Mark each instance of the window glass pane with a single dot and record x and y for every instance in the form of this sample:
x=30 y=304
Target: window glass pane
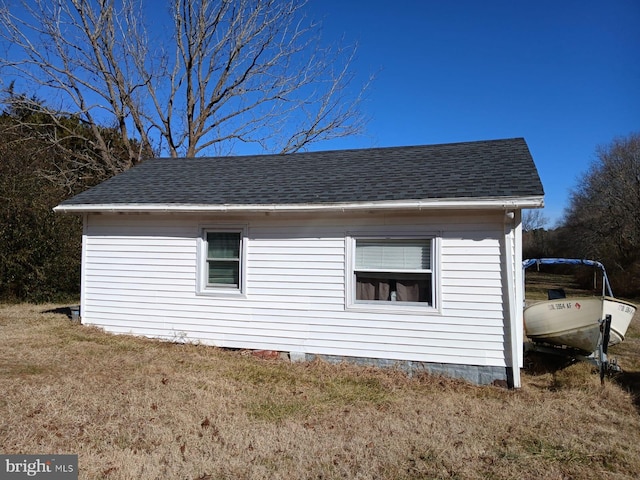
x=224 y=273
x=390 y=287
x=223 y=245
x=393 y=254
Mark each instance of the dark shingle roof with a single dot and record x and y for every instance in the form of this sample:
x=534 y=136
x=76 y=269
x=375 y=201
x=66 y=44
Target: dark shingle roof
x=484 y=169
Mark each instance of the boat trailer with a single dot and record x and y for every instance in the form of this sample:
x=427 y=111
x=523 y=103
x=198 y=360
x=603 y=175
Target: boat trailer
x=599 y=358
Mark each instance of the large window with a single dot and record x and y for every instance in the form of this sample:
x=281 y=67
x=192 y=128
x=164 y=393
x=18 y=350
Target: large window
x=393 y=270
x=221 y=261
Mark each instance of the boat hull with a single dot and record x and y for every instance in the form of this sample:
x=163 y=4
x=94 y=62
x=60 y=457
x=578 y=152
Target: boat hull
x=621 y=315
x=575 y=322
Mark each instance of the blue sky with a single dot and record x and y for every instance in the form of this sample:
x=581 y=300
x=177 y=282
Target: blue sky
x=563 y=74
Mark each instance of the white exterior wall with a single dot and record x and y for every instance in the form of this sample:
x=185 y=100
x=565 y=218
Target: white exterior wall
x=139 y=276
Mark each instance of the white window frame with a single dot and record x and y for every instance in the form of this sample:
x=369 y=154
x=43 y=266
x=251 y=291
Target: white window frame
x=202 y=270
x=393 y=306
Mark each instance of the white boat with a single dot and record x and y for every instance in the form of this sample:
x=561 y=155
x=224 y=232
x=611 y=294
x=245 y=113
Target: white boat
x=576 y=322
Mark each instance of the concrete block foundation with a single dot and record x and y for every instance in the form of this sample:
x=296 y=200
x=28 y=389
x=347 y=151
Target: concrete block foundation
x=476 y=374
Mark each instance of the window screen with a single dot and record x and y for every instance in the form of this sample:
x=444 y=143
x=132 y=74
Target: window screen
x=223 y=259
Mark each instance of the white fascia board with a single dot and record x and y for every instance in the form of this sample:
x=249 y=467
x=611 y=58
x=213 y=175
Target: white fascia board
x=503 y=203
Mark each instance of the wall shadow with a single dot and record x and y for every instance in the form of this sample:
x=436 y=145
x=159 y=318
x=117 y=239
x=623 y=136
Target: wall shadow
x=60 y=311
x=536 y=363
x=630 y=381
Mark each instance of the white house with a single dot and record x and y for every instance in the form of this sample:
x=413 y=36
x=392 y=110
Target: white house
x=407 y=256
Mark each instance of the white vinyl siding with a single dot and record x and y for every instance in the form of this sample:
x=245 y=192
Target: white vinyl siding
x=141 y=272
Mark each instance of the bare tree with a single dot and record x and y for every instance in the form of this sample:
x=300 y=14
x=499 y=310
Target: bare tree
x=534 y=236
x=533 y=220
x=602 y=220
x=229 y=71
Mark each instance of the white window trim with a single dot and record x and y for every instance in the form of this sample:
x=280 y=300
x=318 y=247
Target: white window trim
x=392 y=307
x=202 y=288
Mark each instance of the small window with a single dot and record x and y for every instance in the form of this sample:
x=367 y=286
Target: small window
x=223 y=259
x=390 y=270
x=221 y=264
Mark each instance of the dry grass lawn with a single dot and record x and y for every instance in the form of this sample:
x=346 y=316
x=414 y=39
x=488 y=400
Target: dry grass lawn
x=133 y=408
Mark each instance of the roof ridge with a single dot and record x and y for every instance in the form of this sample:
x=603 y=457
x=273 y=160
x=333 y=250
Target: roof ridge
x=346 y=150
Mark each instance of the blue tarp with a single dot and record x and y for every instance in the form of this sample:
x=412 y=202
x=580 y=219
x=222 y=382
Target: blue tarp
x=561 y=261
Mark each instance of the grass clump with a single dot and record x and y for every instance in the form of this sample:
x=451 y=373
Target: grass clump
x=353 y=390
x=579 y=376
x=276 y=410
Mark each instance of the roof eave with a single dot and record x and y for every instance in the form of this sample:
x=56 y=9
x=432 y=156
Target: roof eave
x=501 y=203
